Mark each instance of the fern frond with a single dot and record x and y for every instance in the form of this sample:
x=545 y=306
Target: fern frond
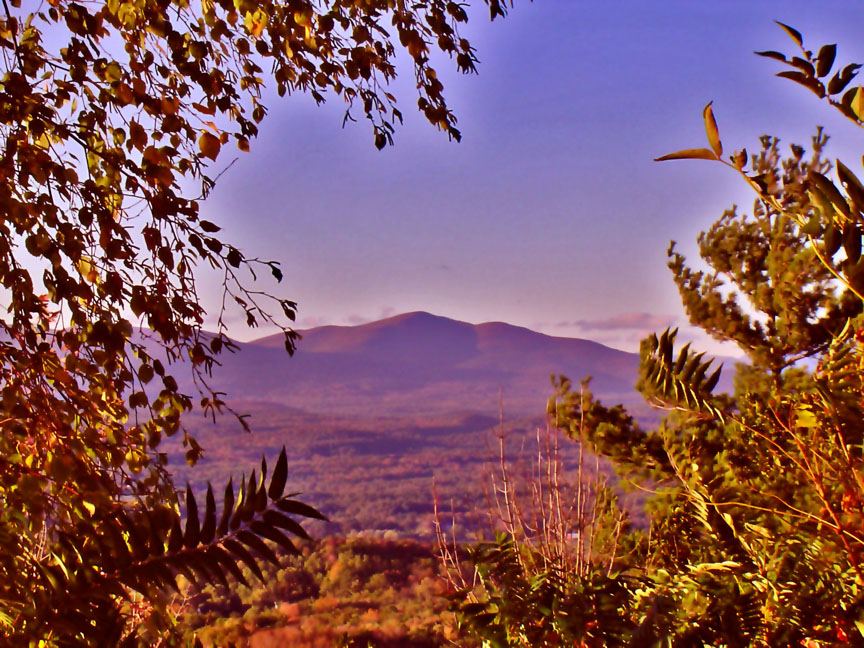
x=682 y=382
x=146 y=550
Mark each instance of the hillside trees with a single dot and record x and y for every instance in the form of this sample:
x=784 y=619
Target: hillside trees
x=758 y=505
x=112 y=114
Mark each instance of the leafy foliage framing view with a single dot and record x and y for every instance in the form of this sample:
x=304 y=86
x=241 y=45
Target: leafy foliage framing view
x=757 y=498
x=111 y=114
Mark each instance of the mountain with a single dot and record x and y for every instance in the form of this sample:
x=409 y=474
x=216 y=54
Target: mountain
x=381 y=419
x=422 y=363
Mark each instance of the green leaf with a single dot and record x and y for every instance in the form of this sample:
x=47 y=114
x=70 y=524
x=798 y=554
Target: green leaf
x=711 y=383
x=245 y=510
x=206 y=570
x=158 y=571
x=682 y=358
x=805 y=418
x=689 y=154
x=261 y=495
x=813 y=227
x=832 y=239
x=831 y=192
x=237 y=516
x=120 y=549
x=212 y=563
x=852 y=242
x=851 y=184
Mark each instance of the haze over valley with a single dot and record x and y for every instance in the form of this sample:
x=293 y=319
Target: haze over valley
x=372 y=414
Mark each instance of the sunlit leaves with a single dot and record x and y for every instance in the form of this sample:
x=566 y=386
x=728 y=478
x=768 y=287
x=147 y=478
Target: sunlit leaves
x=148 y=550
x=686 y=380
x=112 y=115
x=812 y=72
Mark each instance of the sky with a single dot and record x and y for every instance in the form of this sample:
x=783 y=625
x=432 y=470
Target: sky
x=550 y=213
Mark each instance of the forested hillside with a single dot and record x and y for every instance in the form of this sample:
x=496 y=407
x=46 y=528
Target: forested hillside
x=457 y=497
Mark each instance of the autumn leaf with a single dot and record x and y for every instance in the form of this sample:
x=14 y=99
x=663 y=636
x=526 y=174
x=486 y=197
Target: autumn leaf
x=209 y=145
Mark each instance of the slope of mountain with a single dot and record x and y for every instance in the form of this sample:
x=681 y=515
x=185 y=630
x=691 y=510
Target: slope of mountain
x=373 y=415
x=421 y=363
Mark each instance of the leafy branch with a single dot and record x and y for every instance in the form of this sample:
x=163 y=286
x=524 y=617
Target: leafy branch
x=146 y=549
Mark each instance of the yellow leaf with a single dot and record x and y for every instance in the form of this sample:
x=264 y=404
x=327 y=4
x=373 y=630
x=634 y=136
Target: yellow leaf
x=857 y=104
x=84 y=266
x=711 y=130
x=805 y=418
x=689 y=154
x=256 y=22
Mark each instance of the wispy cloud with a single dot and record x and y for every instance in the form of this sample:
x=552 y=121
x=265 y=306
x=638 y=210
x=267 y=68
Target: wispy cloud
x=624 y=321
x=312 y=322
x=357 y=319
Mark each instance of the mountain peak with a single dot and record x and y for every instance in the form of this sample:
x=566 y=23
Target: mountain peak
x=421 y=361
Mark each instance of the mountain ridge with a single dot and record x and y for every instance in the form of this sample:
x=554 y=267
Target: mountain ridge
x=485 y=329
x=420 y=362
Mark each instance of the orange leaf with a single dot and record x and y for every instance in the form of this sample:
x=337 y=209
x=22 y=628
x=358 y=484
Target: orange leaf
x=209 y=145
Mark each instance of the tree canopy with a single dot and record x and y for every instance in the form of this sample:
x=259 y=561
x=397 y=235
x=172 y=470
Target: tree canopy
x=111 y=116
x=757 y=499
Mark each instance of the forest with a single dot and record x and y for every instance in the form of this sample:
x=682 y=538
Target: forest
x=726 y=519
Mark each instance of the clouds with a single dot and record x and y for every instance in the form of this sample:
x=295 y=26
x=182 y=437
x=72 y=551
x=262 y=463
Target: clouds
x=622 y=331
x=354 y=319
x=623 y=322
x=625 y=331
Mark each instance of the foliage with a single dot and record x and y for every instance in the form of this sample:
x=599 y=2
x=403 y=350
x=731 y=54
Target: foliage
x=515 y=606
x=145 y=550
x=550 y=575
x=755 y=534
x=111 y=114
x=359 y=591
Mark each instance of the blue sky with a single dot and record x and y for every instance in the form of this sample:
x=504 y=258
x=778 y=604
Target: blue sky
x=550 y=213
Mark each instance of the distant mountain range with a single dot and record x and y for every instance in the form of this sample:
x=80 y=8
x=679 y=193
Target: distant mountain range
x=372 y=415
x=419 y=363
